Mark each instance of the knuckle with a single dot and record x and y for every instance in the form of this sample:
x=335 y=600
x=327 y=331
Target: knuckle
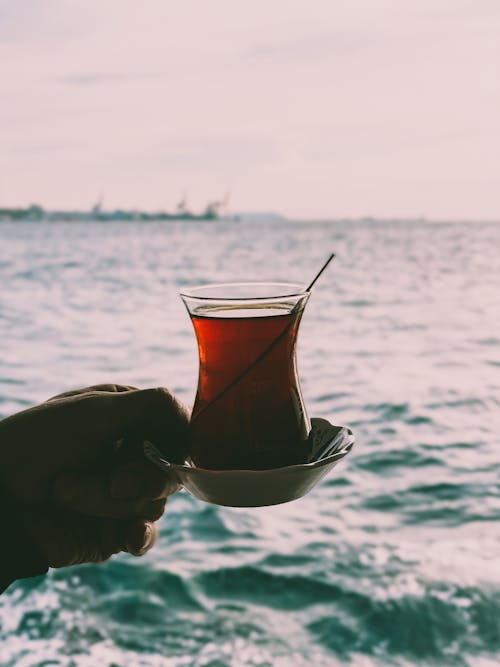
x=163 y=396
x=168 y=401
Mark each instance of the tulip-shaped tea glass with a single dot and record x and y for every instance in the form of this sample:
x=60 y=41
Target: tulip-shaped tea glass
x=249 y=412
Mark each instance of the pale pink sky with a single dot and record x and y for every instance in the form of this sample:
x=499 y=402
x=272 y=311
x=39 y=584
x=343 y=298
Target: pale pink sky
x=316 y=108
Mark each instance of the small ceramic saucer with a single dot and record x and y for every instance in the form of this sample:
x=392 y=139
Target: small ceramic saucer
x=259 y=488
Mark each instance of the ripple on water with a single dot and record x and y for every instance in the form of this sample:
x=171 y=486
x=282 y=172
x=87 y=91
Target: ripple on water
x=211 y=524
x=388 y=411
x=490 y=341
x=428 y=493
x=12 y=381
x=357 y=303
x=442 y=503
x=121 y=579
x=389 y=461
x=256 y=586
x=468 y=403
x=439 y=625
x=323 y=398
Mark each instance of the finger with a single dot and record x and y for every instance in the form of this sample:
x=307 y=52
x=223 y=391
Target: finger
x=84 y=428
x=97 y=387
x=141 y=479
x=111 y=536
x=88 y=494
x=141 y=537
x=92 y=540
x=68 y=539
x=136 y=415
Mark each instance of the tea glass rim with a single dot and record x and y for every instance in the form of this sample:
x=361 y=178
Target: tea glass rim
x=294 y=290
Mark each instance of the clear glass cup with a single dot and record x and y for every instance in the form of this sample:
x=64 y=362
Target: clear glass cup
x=249 y=412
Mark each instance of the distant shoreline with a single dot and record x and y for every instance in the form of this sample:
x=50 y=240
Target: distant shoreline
x=36 y=213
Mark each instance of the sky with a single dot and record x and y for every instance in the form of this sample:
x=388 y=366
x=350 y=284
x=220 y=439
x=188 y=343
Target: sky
x=310 y=108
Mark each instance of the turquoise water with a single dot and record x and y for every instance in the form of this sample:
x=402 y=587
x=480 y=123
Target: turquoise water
x=393 y=559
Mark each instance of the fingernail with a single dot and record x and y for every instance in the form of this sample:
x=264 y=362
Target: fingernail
x=148 y=535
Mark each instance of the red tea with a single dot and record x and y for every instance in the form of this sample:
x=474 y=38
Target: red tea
x=255 y=421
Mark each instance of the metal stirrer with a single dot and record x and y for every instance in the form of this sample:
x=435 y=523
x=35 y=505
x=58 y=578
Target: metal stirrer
x=311 y=285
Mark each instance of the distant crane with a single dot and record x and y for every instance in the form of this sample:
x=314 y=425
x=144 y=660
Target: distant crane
x=215 y=208
x=96 y=209
x=182 y=209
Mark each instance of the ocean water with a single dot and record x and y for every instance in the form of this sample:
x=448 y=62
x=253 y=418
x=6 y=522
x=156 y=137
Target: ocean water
x=393 y=560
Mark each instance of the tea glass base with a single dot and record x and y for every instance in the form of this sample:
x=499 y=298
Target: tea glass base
x=260 y=488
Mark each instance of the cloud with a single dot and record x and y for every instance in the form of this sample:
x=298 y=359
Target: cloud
x=98 y=78
x=42 y=149
x=95 y=78
x=33 y=22
x=313 y=46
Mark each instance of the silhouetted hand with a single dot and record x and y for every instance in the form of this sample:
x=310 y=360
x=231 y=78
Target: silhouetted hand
x=74 y=466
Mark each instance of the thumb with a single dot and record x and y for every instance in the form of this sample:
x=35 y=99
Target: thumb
x=155 y=415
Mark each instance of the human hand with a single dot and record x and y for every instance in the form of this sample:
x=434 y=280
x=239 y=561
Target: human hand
x=75 y=470
x=85 y=449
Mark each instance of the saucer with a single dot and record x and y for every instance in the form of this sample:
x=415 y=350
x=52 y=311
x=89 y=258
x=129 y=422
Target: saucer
x=259 y=488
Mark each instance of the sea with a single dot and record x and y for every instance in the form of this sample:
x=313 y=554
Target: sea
x=393 y=559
